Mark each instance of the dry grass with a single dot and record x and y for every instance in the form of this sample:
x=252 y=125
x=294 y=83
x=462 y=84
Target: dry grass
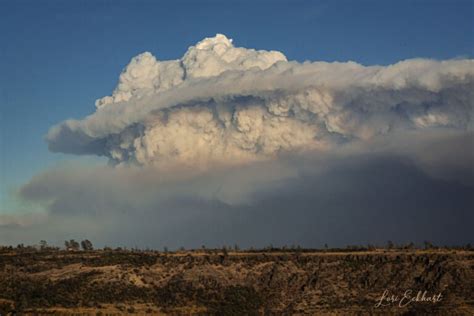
x=238 y=283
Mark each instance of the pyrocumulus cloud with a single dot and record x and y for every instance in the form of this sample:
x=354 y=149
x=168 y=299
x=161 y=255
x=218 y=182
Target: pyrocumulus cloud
x=223 y=104
x=232 y=145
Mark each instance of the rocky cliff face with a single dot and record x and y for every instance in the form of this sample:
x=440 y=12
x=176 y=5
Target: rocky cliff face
x=272 y=283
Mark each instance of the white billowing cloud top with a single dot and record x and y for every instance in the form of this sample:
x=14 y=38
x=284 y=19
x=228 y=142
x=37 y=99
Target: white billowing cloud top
x=209 y=58
x=228 y=105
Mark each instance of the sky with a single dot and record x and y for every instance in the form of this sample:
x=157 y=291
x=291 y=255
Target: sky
x=58 y=58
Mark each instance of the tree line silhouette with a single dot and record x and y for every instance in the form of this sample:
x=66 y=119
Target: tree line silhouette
x=86 y=245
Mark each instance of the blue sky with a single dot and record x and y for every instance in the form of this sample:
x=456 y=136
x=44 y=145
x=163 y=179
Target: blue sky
x=57 y=57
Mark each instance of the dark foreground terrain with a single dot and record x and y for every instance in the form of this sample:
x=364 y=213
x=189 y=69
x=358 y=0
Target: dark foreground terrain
x=237 y=283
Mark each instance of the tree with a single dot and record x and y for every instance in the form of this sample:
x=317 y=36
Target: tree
x=86 y=245
x=43 y=245
x=71 y=245
x=428 y=245
x=390 y=244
